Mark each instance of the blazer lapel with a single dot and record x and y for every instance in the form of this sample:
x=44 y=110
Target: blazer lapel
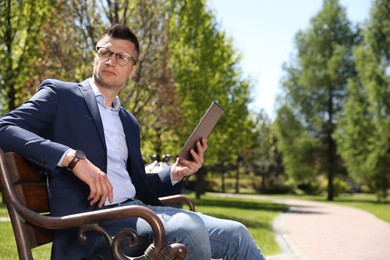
x=130 y=141
x=90 y=100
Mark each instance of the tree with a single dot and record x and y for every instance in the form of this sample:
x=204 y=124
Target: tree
x=20 y=54
x=185 y=62
x=315 y=85
x=363 y=135
x=150 y=96
x=205 y=67
x=264 y=158
x=299 y=149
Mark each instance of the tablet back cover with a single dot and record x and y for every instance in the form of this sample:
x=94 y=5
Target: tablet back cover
x=202 y=130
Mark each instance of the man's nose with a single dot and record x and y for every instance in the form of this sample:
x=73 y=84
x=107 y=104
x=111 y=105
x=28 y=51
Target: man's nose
x=110 y=59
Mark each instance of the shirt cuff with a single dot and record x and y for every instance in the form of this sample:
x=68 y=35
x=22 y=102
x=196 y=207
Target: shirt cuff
x=62 y=158
x=174 y=182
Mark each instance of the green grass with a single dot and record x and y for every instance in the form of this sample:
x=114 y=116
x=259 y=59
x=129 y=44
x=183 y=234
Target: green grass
x=8 y=248
x=256 y=215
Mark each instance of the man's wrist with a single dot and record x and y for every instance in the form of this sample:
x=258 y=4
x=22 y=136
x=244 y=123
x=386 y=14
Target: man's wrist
x=174 y=176
x=73 y=157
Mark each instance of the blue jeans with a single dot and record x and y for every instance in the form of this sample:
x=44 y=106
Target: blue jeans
x=205 y=237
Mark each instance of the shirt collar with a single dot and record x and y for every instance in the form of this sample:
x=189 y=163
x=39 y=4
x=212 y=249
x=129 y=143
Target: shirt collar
x=100 y=98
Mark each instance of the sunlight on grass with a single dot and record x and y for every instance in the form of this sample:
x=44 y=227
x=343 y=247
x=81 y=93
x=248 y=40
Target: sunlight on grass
x=8 y=248
x=256 y=215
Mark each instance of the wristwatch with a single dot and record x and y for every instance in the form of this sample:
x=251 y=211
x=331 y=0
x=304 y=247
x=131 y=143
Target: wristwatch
x=79 y=155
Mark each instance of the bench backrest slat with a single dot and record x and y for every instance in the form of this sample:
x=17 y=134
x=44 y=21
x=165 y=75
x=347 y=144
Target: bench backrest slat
x=28 y=183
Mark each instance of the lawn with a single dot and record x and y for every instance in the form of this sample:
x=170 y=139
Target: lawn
x=8 y=246
x=257 y=215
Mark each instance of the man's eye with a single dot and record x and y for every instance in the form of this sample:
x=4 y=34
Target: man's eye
x=122 y=57
x=104 y=52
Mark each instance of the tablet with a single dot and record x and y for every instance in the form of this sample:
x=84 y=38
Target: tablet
x=202 y=130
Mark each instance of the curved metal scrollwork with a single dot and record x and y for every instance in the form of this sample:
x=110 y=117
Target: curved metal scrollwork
x=117 y=241
x=93 y=228
x=113 y=242
x=174 y=251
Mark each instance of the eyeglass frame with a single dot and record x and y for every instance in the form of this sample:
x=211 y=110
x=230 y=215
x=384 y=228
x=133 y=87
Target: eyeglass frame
x=129 y=57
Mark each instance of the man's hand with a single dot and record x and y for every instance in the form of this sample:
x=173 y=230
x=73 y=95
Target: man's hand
x=182 y=167
x=97 y=180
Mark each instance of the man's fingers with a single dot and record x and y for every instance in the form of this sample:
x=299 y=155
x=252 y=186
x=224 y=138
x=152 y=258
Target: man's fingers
x=110 y=191
x=107 y=192
x=98 y=192
x=100 y=188
x=98 y=182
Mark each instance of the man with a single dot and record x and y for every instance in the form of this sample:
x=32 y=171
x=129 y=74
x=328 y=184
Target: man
x=78 y=132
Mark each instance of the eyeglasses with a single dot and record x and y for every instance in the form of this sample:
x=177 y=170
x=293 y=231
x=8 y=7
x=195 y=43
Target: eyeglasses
x=121 y=58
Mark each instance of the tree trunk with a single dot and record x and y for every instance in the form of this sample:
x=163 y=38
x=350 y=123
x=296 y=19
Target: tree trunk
x=200 y=183
x=237 y=186
x=331 y=166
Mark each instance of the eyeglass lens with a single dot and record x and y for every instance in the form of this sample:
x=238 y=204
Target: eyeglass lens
x=121 y=58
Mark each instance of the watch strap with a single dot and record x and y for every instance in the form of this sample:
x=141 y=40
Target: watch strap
x=79 y=155
x=73 y=163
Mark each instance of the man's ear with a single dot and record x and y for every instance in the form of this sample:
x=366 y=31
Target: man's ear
x=93 y=60
x=133 y=71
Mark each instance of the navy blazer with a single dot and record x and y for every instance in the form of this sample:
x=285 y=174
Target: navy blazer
x=63 y=115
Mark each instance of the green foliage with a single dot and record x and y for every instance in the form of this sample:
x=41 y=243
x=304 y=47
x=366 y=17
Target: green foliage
x=315 y=89
x=377 y=33
x=355 y=134
x=20 y=49
x=364 y=137
x=299 y=149
x=205 y=68
x=264 y=158
x=185 y=62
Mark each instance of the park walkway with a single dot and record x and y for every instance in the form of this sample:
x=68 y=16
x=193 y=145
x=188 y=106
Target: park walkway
x=324 y=231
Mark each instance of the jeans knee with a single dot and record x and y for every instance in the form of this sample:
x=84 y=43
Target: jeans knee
x=188 y=226
x=190 y=230
x=240 y=229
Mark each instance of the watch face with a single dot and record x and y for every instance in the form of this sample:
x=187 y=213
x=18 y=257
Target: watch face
x=80 y=154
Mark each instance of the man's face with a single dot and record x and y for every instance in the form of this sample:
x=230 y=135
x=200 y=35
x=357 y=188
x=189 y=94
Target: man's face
x=107 y=72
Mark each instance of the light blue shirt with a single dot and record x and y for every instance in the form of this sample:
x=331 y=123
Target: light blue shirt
x=117 y=152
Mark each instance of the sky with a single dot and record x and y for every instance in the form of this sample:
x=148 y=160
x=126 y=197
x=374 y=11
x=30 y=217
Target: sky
x=263 y=33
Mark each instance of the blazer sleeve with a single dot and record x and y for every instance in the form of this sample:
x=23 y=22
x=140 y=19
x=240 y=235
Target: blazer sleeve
x=162 y=183
x=22 y=129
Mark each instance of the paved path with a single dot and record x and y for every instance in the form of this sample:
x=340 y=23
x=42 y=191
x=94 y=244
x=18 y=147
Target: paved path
x=322 y=231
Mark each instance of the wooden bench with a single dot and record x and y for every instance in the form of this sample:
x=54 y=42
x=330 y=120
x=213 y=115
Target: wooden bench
x=25 y=194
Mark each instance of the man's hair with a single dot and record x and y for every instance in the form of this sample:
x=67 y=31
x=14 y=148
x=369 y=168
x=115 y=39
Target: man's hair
x=122 y=32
